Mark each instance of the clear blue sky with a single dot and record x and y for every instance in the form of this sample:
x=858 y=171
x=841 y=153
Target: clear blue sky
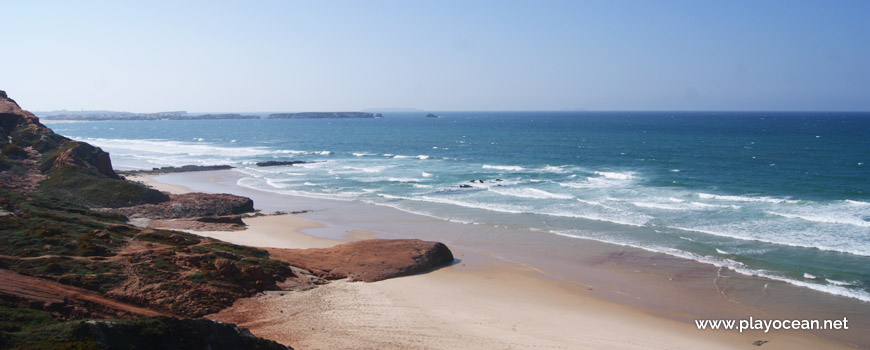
x=237 y=56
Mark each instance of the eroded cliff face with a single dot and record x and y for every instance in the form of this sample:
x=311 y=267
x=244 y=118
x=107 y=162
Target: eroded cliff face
x=33 y=155
x=61 y=260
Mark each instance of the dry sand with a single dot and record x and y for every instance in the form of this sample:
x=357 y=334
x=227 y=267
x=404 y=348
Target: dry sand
x=481 y=305
x=148 y=179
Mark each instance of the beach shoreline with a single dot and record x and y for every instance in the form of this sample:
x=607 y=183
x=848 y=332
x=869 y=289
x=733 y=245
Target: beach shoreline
x=653 y=291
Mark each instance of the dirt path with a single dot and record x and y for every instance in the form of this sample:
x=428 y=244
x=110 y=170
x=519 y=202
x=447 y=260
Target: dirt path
x=51 y=294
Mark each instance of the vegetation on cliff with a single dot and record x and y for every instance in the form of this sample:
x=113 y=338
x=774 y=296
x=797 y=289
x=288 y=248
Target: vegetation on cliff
x=61 y=260
x=22 y=328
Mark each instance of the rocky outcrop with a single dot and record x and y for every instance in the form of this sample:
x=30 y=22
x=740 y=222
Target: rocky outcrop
x=216 y=223
x=83 y=155
x=181 y=169
x=277 y=163
x=430 y=115
x=70 y=170
x=369 y=260
x=190 y=205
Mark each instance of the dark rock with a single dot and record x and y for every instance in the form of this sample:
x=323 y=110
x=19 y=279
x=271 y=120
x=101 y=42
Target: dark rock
x=227 y=219
x=226 y=268
x=191 y=205
x=276 y=163
x=369 y=260
x=430 y=115
x=465 y=186
x=181 y=169
x=759 y=342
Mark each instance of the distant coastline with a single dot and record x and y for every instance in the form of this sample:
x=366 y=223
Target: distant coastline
x=110 y=115
x=183 y=115
x=325 y=115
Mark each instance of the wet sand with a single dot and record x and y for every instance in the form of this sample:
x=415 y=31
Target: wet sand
x=508 y=291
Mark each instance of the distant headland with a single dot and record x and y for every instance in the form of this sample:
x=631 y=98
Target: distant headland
x=325 y=115
x=113 y=115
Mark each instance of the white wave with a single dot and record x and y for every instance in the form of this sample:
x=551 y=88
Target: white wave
x=841 y=283
x=809 y=276
x=493 y=207
x=232 y=141
x=346 y=197
x=504 y=167
x=422 y=186
x=175 y=147
x=404 y=179
x=595 y=183
x=425 y=174
x=596 y=203
x=275 y=184
x=554 y=169
x=419 y=212
x=422 y=156
x=683 y=206
x=830 y=289
x=637 y=220
x=659 y=206
x=830 y=218
x=746 y=199
x=529 y=193
x=857 y=203
x=752 y=235
x=371 y=169
x=720 y=251
x=615 y=175
x=296 y=152
x=675 y=170
x=738 y=267
x=363 y=154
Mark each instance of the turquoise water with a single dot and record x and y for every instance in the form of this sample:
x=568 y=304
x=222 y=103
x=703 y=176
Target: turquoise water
x=780 y=195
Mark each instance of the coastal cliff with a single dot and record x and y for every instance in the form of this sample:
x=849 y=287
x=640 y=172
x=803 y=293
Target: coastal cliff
x=68 y=251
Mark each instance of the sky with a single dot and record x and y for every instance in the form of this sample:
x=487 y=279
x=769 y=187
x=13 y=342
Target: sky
x=271 y=56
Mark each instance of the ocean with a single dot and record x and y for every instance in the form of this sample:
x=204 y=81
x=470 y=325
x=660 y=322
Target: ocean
x=781 y=195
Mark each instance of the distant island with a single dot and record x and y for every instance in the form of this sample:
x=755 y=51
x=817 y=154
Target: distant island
x=111 y=115
x=430 y=115
x=324 y=115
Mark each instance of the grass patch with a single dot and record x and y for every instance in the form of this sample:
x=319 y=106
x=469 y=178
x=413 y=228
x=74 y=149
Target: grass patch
x=230 y=248
x=82 y=186
x=169 y=238
x=14 y=318
x=93 y=275
x=45 y=225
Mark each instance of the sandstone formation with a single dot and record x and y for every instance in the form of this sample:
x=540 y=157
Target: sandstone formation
x=369 y=260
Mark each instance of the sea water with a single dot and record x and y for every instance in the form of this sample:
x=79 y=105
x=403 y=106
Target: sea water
x=780 y=195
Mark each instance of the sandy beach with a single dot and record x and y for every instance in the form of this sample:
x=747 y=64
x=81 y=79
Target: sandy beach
x=481 y=302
